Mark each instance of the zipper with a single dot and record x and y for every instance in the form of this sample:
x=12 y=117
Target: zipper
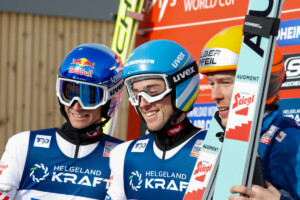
x=77 y=147
x=166 y=144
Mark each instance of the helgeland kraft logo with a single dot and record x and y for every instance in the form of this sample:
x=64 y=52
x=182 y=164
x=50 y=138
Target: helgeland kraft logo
x=39 y=173
x=158 y=180
x=67 y=175
x=135 y=180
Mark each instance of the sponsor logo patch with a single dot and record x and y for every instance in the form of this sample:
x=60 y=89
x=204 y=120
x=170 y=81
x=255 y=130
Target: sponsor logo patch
x=242 y=111
x=267 y=136
x=196 y=148
x=289 y=33
x=175 y=130
x=141 y=61
x=108 y=147
x=280 y=136
x=203 y=171
x=42 y=141
x=140 y=146
x=217 y=57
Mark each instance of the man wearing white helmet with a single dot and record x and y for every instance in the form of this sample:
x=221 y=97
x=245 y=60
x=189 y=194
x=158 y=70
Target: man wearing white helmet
x=280 y=136
x=162 y=81
x=70 y=162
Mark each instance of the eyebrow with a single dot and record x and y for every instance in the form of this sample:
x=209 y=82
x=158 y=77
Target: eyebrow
x=222 y=78
x=147 y=87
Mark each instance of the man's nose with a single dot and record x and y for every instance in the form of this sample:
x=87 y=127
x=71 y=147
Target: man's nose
x=143 y=102
x=217 y=93
x=76 y=106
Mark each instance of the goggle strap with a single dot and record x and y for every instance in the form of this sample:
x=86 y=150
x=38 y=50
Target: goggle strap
x=115 y=89
x=184 y=74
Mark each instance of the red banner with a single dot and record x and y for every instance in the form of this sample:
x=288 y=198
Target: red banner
x=192 y=23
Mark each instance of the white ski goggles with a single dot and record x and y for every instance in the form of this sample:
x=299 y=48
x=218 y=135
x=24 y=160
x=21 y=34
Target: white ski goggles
x=90 y=96
x=149 y=94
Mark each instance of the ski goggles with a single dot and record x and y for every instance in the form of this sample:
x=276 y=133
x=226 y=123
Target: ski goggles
x=169 y=82
x=90 y=96
x=152 y=93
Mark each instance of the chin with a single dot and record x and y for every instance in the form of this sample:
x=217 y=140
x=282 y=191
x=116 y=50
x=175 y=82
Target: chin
x=154 y=128
x=79 y=125
x=224 y=123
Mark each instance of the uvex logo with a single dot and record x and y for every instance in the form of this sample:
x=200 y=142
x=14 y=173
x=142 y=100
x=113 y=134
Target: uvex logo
x=183 y=74
x=242 y=100
x=117 y=89
x=178 y=60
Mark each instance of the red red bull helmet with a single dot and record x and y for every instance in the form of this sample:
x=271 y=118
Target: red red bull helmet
x=92 y=75
x=224 y=49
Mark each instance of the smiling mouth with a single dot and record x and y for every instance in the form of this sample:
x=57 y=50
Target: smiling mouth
x=223 y=109
x=149 y=114
x=78 y=115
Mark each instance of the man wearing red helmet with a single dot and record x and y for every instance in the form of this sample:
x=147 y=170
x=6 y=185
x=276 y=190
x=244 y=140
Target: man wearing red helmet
x=279 y=141
x=70 y=162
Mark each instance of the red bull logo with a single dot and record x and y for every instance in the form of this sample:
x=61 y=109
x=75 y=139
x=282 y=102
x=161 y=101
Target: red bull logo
x=82 y=62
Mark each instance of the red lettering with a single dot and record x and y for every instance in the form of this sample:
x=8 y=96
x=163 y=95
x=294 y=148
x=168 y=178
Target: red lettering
x=242 y=100
x=202 y=168
x=81 y=71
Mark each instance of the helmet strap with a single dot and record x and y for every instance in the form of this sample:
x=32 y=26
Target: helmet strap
x=96 y=129
x=182 y=75
x=173 y=119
